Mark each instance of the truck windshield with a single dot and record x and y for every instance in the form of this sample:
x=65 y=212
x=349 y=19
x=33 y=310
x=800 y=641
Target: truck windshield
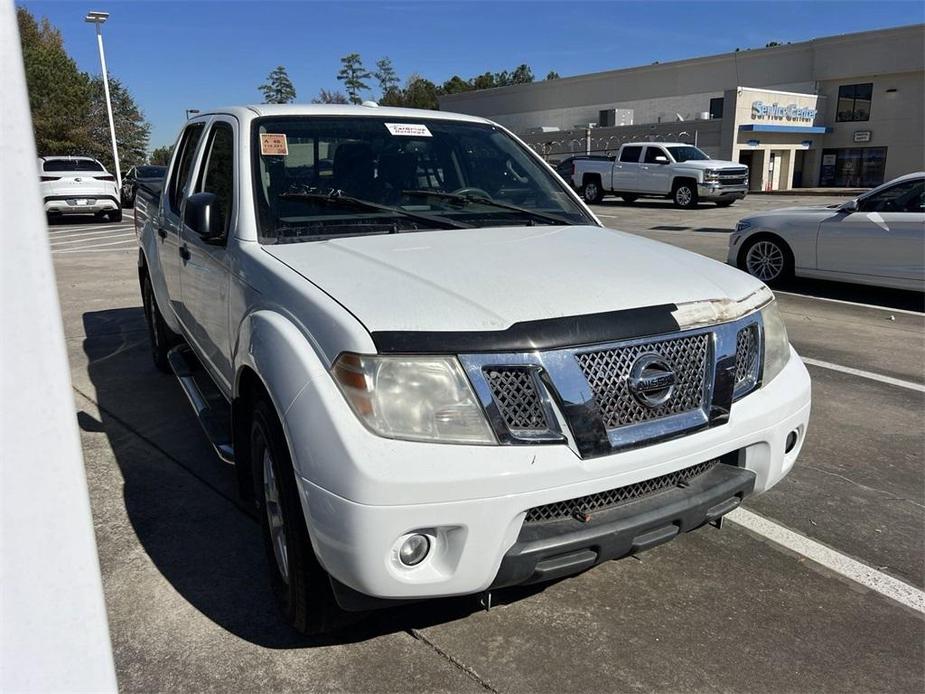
x=687 y=153
x=400 y=174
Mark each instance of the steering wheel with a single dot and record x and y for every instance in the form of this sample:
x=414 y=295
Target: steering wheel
x=473 y=191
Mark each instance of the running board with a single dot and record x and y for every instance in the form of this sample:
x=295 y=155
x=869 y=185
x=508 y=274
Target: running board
x=212 y=410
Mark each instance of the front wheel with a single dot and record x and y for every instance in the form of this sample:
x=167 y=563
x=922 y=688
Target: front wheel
x=768 y=259
x=684 y=195
x=301 y=586
x=592 y=193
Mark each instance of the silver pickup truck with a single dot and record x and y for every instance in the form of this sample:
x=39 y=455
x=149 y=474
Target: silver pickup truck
x=673 y=170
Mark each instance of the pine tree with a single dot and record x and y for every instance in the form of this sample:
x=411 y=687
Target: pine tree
x=326 y=97
x=386 y=76
x=352 y=74
x=552 y=75
x=278 y=89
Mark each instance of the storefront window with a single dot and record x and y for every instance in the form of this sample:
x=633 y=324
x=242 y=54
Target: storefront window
x=858 y=167
x=854 y=102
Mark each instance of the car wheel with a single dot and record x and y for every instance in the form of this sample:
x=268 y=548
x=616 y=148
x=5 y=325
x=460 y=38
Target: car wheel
x=115 y=215
x=591 y=192
x=629 y=199
x=158 y=332
x=768 y=259
x=684 y=195
x=301 y=586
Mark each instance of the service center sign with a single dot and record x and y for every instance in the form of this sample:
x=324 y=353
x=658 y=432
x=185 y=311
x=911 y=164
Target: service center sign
x=775 y=111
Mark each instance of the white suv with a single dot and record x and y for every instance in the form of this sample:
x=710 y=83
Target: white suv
x=78 y=185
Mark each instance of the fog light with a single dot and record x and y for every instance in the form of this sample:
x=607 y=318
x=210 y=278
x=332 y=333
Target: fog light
x=791 y=441
x=414 y=549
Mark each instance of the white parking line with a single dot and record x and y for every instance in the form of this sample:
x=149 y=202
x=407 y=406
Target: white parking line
x=853 y=303
x=89 y=227
x=911 y=385
x=90 y=239
x=90 y=248
x=893 y=588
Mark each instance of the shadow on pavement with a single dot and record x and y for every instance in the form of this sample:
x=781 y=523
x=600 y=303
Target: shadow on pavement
x=182 y=502
x=863 y=294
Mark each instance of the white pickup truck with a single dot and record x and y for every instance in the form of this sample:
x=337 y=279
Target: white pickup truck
x=673 y=170
x=433 y=369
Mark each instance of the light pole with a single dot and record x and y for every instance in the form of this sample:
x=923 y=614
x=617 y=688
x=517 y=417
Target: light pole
x=98 y=18
x=190 y=112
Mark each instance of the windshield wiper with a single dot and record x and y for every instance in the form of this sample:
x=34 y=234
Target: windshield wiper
x=337 y=197
x=480 y=199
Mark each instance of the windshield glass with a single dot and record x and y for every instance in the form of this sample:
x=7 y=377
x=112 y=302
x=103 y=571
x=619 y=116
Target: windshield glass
x=687 y=153
x=72 y=165
x=151 y=171
x=302 y=163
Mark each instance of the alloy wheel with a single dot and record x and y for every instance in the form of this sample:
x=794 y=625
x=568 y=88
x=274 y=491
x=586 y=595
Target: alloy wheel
x=765 y=260
x=275 y=517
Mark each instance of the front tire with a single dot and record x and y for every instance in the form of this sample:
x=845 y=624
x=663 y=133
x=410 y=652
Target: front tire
x=301 y=586
x=768 y=259
x=158 y=332
x=684 y=195
x=591 y=192
x=115 y=215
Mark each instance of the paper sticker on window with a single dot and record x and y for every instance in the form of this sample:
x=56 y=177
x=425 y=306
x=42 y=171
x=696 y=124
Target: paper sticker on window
x=408 y=129
x=273 y=145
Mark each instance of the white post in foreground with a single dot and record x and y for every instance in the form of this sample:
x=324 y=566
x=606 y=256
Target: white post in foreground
x=98 y=18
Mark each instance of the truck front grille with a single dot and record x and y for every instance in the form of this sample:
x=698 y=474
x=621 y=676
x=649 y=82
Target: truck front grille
x=608 y=371
x=746 y=364
x=514 y=392
x=733 y=176
x=614 y=497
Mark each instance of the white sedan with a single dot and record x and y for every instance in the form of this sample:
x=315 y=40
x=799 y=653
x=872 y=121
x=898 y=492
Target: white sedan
x=877 y=238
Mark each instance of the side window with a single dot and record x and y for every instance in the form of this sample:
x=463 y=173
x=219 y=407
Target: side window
x=217 y=175
x=630 y=154
x=652 y=153
x=180 y=173
x=903 y=197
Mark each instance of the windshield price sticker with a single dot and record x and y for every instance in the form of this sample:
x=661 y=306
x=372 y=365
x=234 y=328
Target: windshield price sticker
x=274 y=145
x=408 y=129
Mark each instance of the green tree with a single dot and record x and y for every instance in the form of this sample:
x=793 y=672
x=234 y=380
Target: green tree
x=278 y=89
x=352 y=73
x=161 y=155
x=487 y=80
x=522 y=75
x=552 y=75
x=326 y=97
x=132 y=130
x=420 y=93
x=386 y=76
x=455 y=85
x=59 y=94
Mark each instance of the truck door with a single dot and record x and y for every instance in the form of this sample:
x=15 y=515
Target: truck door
x=626 y=169
x=204 y=264
x=655 y=171
x=168 y=221
x=884 y=237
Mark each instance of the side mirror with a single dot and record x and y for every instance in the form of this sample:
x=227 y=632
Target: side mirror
x=203 y=216
x=660 y=159
x=850 y=206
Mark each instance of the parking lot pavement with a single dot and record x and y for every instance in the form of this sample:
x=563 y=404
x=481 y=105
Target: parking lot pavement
x=83 y=234
x=189 y=608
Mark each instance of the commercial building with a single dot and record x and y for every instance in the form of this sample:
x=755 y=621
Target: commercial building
x=840 y=111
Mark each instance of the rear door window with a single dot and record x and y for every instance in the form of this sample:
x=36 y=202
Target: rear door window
x=652 y=153
x=630 y=154
x=182 y=165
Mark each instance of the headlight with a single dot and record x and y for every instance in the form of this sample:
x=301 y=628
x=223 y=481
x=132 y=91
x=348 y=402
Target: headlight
x=712 y=174
x=415 y=398
x=776 y=344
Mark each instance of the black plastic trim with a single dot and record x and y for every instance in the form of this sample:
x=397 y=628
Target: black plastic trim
x=543 y=334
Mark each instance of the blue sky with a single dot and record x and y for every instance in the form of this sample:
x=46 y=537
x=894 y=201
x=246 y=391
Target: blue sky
x=175 y=55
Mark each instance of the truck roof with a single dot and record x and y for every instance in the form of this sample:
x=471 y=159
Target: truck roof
x=663 y=144
x=250 y=111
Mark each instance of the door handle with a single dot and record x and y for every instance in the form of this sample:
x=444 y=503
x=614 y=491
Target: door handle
x=184 y=252
x=162 y=232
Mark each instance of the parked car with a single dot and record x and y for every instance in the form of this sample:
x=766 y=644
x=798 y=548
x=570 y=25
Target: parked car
x=673 y=170
x=877 y=238
x=148 y=174
x=566 y=167
x=434 y=371
x=78 y=185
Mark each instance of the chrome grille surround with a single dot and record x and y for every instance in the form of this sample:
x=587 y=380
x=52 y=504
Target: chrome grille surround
x=607 y=372
x=560 y=510
x=591 y=414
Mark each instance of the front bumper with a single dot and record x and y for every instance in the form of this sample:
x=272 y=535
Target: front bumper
x=719 y=191
x=472 y=501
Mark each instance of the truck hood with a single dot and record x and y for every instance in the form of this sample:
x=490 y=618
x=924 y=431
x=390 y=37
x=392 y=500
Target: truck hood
x=491 y=278
x=701 y=164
